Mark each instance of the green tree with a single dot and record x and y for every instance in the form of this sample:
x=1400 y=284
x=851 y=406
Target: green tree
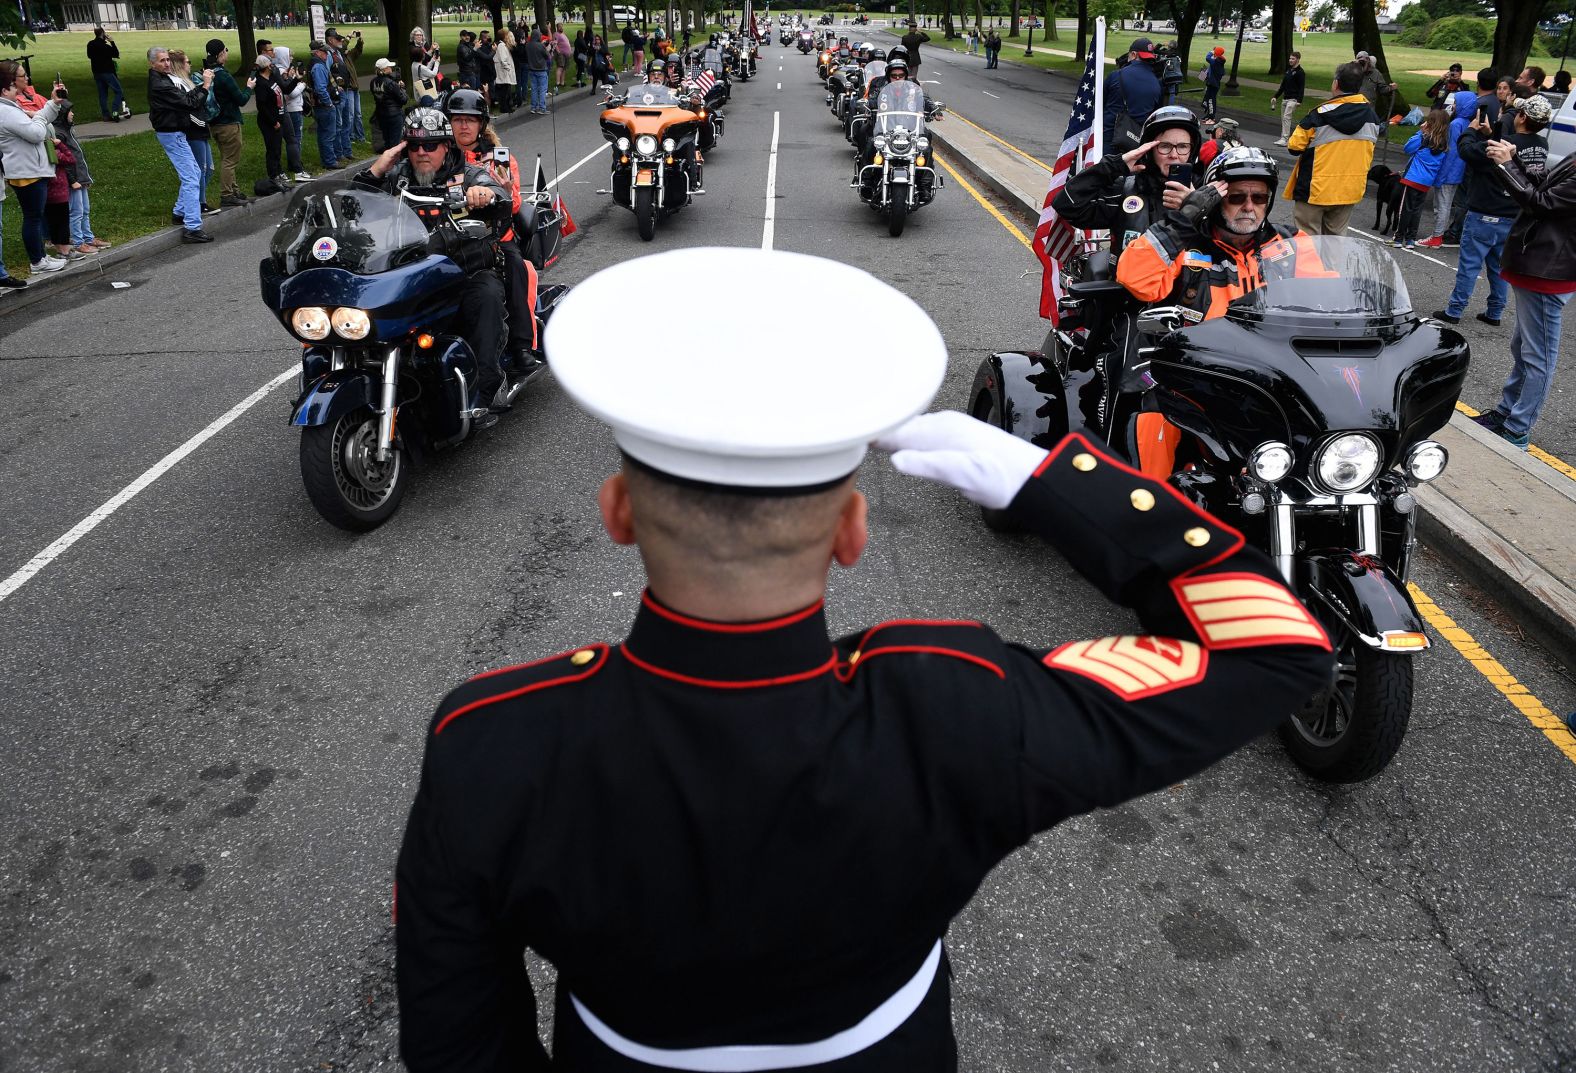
x=1414 y=15
x=1513 y=33
x=13 y=32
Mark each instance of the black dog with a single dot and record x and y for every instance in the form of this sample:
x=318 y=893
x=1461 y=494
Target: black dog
x=1389 y=196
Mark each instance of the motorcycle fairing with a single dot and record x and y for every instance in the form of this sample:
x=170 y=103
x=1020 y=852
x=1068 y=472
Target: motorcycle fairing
x=386 y=296
x=1362 y=593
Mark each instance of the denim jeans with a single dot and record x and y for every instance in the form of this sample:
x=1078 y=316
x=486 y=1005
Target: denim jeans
x=187 y=202
x=358 y=132
x=107 y=83
x=202 y=152
x=343 y=117
x=1411 y=213
x=81 y=225
x=290 y=127
x=538 y=89
x=1444 y=198
x=1534 y=348
x=326 y=116
x=1482 y=241
x=35 y=231
x=3 y=273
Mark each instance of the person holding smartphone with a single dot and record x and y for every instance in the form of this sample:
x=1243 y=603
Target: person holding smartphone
x=225 y=128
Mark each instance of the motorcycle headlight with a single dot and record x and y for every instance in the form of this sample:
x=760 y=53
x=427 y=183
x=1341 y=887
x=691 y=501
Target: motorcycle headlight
x=880 y=141
x=1348 y=462
x=622 y=145
x=668 y=145
x=352 y=324
x=1426 y=460
x=310 y=322
x=646 y=145
x=1270 y=461
x=923 y=143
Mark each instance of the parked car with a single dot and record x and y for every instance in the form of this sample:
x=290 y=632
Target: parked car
x=1562 y=128
x=1254 y=35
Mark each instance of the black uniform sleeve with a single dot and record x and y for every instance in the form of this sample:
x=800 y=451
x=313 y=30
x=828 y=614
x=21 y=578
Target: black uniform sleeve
x=465 y=1000
x=1227 y=651
x=1080 y=201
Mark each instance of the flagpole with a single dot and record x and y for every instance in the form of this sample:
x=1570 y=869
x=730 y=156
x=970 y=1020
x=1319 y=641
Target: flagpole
x=1099 y=87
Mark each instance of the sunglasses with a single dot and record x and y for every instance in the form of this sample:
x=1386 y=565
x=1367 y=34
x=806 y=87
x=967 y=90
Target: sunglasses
x=426 y=147
x=1243 y=199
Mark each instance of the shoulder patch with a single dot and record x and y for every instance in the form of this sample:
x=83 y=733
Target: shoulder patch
x=963 y=640
x=1134 y=667
x=1242 y=610
x=507 y=683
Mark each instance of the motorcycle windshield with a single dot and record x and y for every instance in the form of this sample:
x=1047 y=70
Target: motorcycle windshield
x=1336 y=278
x=875 y=69
x=653 y=95
x=337 y=224
x=901 y=107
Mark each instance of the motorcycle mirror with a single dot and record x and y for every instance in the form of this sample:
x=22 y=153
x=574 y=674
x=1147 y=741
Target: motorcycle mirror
x=939 y=109
x=1160 y=320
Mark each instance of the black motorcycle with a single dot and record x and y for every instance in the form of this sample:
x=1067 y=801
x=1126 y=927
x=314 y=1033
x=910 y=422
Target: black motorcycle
x=900 y=177
x=386 y=378
x=1304 y=413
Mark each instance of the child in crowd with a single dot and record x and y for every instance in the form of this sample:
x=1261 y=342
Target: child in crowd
x=69 y=155
x=1427 y=150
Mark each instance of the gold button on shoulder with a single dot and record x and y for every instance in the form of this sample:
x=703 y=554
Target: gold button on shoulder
x=582 y=657
x=1198 y=536
x=1084 y=462
x=1142 y=499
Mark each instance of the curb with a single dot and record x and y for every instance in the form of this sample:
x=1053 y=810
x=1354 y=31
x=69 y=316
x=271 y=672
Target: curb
x=1492 y=557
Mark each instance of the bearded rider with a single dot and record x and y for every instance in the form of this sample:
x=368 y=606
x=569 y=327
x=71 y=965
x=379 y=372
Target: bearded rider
x=473 y=133
x=428 y=162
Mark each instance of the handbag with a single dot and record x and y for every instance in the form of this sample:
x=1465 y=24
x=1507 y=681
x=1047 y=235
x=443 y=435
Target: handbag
x=1126 y=133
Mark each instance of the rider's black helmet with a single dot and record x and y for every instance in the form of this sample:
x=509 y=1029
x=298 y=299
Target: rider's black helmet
x=1172 y=117
x=428 y=125
x=898 y=63
x=1244 y=162
x=467 y=102
x=654 y=67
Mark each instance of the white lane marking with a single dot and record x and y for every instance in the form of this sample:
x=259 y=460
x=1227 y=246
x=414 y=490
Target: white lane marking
x=988 y=93
x=771 y=188
x=126 y=494
x=779 y=85
x=575 y=166
x=1379 y=239
x=931 y=81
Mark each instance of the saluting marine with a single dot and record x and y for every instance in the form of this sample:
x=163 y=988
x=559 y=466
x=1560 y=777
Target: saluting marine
x=739 y=840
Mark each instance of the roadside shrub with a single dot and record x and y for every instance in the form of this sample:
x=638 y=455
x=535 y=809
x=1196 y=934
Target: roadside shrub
x=1462 y=33
x=1417 y=36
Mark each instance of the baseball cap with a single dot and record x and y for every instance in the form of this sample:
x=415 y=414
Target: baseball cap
x=383 y=63
x=1144 y=47
x=1536 y=108
x=317 y=46
x=783 y=415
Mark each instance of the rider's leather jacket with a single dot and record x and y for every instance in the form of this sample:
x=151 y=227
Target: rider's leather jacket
x=453 y=172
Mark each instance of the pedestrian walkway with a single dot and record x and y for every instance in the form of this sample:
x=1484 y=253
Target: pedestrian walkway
x=1504 y=517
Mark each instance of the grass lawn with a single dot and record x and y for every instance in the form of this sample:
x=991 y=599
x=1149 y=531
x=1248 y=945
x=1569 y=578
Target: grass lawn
x=1321 y=54
x=134 y=187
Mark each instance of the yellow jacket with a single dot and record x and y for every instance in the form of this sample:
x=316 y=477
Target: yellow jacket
x=1334 y=146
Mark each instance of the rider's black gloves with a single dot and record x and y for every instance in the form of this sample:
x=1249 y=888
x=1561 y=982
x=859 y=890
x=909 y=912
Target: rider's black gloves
x=1200 y=203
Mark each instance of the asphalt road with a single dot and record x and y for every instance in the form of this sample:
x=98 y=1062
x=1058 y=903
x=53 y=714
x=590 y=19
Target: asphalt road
x=214 y=702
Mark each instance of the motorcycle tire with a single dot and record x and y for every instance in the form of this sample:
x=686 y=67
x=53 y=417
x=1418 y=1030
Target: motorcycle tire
x=346 y=483
x=1352 y=731
x=897 y=216
x=997 y=521
x=646 y=212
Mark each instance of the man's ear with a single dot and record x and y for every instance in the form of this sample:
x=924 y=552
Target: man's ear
x=617 y=519
x=852 y=531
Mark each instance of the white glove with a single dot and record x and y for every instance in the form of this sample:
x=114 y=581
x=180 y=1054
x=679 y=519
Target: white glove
x=982 y=461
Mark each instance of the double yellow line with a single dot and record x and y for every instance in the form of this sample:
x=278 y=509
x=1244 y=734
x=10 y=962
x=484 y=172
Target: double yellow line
x=1494 y=672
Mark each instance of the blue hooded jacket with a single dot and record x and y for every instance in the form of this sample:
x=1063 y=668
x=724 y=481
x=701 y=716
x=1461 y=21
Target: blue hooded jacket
x=1455 y=168
x=1426 y=164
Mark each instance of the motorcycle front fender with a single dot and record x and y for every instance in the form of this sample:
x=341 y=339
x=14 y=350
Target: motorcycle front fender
x=1362 y=593
x=332 y=396
x=1025 y=396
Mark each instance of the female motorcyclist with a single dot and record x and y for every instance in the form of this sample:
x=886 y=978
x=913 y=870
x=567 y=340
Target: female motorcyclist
x=1124 y=193
x=476 y=139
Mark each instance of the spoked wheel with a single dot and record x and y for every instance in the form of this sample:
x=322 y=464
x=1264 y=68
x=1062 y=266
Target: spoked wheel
x=1352 y=730
x=344 y=479
x=646 y=212
x=897 y=215
x=999 y=521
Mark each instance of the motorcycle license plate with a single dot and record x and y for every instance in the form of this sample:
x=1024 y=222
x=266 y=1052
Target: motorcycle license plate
x=900 y=175
x=645 y=178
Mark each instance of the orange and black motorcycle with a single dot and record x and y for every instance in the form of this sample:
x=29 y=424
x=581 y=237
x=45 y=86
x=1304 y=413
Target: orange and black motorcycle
x=655 y=170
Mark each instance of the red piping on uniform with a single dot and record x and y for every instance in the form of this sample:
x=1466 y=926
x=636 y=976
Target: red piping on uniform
x=596 y=665
x=533 y=663
x=967 y=657
x=730 y=627
x=710 y=683
x=914 y=622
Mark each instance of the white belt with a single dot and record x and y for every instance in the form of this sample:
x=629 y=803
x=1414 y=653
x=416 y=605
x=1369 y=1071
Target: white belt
x=877 y=1026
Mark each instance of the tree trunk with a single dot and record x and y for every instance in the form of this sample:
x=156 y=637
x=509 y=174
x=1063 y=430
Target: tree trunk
x=1050 y=21
x=403 y=17
x=1365 y=38
x=1014 y=29
x=1214 y=22
x=946 y=20
x=1283 y=19
x=1186 y=20
x=1082 y=48
x=1513 y=32
x=979 y=13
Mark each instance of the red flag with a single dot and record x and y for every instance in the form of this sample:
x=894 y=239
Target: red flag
x=1055 y=239
x=563 y=210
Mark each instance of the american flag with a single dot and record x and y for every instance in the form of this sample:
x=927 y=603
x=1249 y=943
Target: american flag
x=1055 y=239
x=704 y=81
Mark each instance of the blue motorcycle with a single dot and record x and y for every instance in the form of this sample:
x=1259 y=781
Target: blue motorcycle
x=386 y=379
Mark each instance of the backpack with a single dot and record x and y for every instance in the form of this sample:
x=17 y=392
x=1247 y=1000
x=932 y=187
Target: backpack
x=211 y=108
